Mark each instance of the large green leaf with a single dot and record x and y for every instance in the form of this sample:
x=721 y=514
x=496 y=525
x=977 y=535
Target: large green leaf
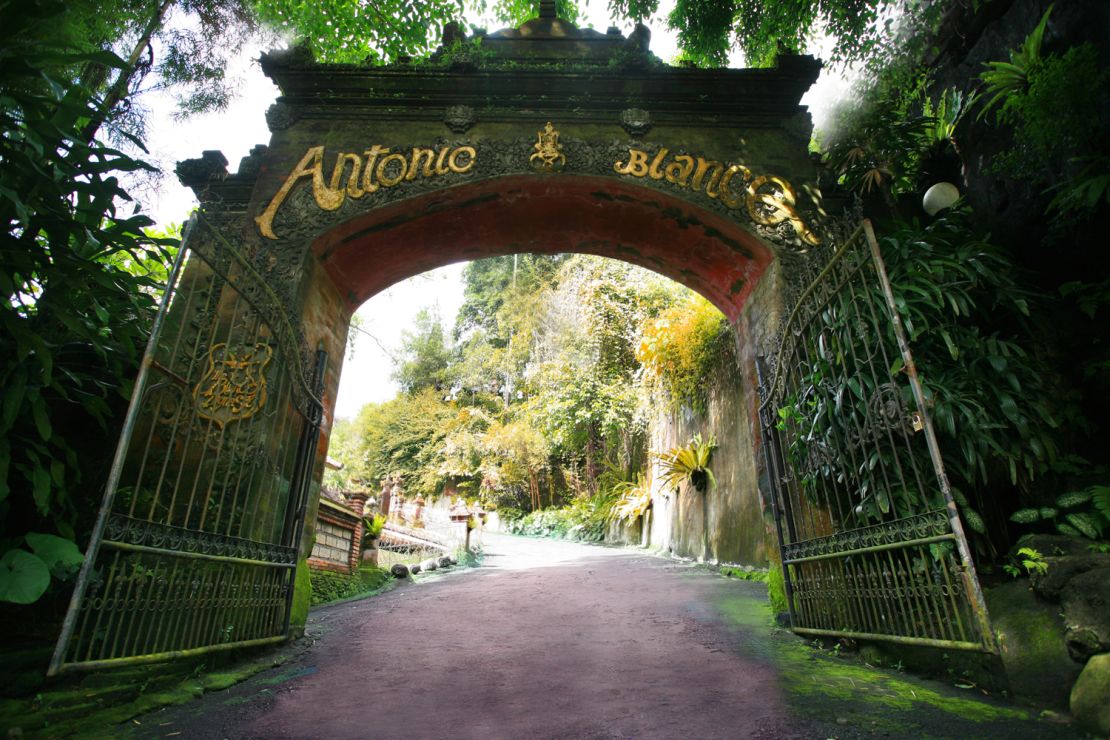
x=23 y=577
x=59 y=554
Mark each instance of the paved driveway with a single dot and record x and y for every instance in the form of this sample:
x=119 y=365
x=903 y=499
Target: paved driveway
x=561 y=640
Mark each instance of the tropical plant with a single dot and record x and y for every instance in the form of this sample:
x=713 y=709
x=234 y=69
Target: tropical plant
x=634 y=501
x=1082 y=513
x=890 y=145
x=684 y=345
x=689 y=464
x=1005 y=81
x=372 y=528
x=74 y=310
x=1030 y=559
x=1054 y=104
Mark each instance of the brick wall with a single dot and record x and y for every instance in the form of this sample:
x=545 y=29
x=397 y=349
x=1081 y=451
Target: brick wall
x=338 y=542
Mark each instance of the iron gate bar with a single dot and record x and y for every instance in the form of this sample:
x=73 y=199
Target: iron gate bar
x=970 y=576
x=116 y=470
x=202 y=567
x=886 y=580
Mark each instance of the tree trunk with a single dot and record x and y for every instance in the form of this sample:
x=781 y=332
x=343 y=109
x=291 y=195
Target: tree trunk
x=122 y=85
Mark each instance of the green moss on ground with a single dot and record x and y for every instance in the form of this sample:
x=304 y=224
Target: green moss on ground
x=89 y=705
x=824 y=686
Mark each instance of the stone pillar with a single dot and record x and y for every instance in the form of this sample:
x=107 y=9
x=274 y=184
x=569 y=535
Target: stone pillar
x=358 y=503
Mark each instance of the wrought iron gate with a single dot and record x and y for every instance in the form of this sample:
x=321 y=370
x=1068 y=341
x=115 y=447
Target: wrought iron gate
x=195 y=547
x=871 y=541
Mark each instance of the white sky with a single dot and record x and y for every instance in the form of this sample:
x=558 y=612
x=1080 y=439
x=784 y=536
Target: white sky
x=234 y=131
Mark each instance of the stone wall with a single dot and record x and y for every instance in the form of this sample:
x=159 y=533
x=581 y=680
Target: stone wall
x=727 y=524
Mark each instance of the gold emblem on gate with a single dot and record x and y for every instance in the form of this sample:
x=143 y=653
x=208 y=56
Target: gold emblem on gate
x=549 y=152
x=234 y=387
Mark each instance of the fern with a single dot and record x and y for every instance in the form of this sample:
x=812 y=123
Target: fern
x=689 y=464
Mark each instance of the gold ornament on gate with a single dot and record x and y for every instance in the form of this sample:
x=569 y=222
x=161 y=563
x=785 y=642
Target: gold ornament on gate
x=234 y=386
x=549 y=152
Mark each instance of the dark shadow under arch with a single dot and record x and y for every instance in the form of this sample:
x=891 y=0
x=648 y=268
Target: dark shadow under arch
x=545 y=214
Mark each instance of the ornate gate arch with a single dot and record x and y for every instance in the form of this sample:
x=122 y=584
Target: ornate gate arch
x=544 y=138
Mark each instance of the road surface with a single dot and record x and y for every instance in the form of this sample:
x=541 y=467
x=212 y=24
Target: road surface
x=552 y=639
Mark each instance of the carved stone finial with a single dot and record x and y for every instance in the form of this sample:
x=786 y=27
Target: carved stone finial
x=280 y=116
x=194 y=173
x=635 y=121
x=250 y=165
x=547 y=9
x=459 y=118
x=452 y=33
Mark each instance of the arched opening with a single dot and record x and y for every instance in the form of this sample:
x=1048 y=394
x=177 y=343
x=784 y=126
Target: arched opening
x=542 y=214
x=706 y=252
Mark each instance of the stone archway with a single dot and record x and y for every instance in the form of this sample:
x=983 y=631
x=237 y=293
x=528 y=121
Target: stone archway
x=544 y=138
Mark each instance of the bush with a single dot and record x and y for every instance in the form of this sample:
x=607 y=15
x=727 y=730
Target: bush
x=776 y=588
x=328 y=587
x=585 y=519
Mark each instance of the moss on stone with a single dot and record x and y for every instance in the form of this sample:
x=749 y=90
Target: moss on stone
x=776 y=587
x=1031 y=637
x=302 y=597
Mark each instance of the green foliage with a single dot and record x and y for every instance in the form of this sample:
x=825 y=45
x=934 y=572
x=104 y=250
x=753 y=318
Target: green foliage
x=1054 y=104
x=707 y=29
x=586 y=519
x=540 y=403
x=776 y=588
x=25 y=576
x=689 y=464
x=994 y=408
x=328 y=587
x=516 y=12
x=1082 y=513
x=684 y=345
x=1030 y=559
x=1006 y=81
x=372 y=527
x=885 y=145
x=424 y=355
x=634 y=499
x=744 y=574
x=75 y=310
x=351 y=31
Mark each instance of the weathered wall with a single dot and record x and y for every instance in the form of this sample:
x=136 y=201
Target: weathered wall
x=727 y=524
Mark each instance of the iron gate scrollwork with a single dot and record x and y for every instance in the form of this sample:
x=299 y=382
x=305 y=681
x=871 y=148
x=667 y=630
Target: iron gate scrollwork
x=195 y=547
x=871 y=542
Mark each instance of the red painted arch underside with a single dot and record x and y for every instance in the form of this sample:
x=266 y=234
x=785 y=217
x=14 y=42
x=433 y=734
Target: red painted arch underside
x=547 y=215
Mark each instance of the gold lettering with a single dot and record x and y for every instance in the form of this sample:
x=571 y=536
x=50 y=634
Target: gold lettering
x=654 y=172
x=777 y=206
x=637 y=164
x=428 y=155
x=388 y=181
x=453 y=159
x=705 y=166
x=341 y=161
x=311 y=165
x=680 y=169
x=441 y=168
x=730 y=200
x=368 y=184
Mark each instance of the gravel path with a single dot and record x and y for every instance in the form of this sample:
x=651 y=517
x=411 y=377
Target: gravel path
x=560 y=640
